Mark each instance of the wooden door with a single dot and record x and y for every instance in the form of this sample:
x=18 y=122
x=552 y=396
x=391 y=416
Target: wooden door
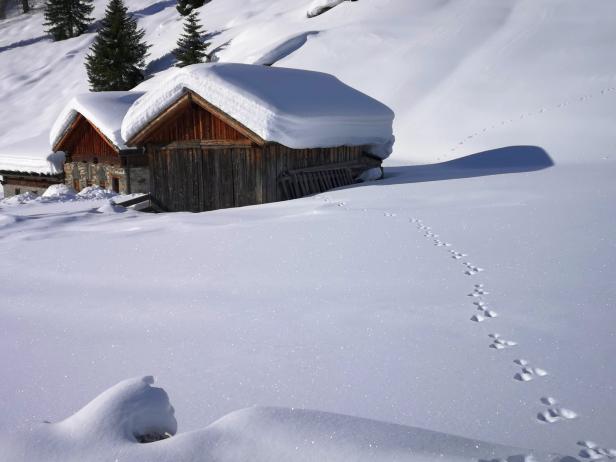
x=199 y=178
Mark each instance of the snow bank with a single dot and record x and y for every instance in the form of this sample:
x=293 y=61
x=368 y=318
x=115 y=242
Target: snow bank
x=59 y=192
x=115 y=425
x=19 y=199
x=111 y=207
x=296 y=108
x=103 y=109
x=95 y=192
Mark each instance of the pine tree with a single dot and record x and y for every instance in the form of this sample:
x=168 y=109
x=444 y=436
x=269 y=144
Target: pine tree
x=117 y=57
x=185 y=7
x=191 y=49
x=67 y=18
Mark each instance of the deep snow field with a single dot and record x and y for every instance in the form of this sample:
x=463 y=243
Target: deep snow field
x=473 y=298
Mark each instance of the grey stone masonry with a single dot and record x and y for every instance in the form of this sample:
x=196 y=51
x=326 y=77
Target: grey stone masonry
x=113 y=177
x=11 y=190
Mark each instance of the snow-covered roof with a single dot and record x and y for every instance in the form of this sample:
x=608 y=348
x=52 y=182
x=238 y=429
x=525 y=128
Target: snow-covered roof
x=296 y=108
x=50 y=164
x=105 y=110
x=31 y=155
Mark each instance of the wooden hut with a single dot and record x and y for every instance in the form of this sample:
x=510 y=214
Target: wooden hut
x=15 y=182
x=88 y=132
x=229 y=135
x=29 y=172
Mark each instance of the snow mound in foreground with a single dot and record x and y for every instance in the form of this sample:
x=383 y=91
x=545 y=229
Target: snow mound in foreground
x=115 y=425
x=299 y=109
x=59 y=192
x=95 y=192
x=19 y=199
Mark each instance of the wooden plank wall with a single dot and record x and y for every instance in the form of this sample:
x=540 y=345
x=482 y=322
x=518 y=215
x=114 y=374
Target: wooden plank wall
x=195 y=123
x=197 y=178
x=85 y=143
x=35 y=181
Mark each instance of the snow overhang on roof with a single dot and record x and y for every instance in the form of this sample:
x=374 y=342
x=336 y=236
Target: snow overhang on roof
x=296 y=108
x=51 y=164
x=105 y=110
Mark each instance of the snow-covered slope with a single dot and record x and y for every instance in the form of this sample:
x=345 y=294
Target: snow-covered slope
x=454 y=72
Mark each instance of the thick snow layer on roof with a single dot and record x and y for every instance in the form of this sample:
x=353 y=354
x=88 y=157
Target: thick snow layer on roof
x=32 y=155
x=104 y=109
x=296 y=108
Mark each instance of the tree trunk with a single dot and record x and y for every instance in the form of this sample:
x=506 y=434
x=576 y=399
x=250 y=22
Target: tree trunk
x=2 y=9
x=25 y=5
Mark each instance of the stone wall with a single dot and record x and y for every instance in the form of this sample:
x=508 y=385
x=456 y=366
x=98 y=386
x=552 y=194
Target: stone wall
x=13 y=185
x=82 y=174
x=14 y=189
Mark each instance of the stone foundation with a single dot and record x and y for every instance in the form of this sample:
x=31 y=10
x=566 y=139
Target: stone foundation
x=15 y=189
x=17 y=184
x=120 y=179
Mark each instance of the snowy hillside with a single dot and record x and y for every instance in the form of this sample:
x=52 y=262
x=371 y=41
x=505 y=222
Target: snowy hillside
x=455 y=72
x=473 y=297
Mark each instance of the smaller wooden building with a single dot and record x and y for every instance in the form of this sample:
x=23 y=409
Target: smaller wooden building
x=16 y=182
x=88 y=132
x=30 y=172
x=228 y=135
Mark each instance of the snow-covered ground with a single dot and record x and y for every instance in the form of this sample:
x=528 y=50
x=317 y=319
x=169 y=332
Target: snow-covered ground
x=350 y=302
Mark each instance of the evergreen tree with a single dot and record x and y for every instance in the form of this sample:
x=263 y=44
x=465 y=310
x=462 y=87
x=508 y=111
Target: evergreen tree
x=191 y=49
x=67 y=18
x=185 y=7
x=117 y=57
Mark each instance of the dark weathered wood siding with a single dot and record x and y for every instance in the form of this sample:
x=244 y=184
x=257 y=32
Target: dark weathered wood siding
x=199 y=176
x=194 y=123
x=85 y=143
x=33 y=181
x=202 y=159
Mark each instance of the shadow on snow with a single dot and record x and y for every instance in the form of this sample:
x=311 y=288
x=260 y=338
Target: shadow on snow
x=510 y=159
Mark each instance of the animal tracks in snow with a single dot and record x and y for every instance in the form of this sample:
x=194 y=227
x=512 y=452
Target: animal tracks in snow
x=478 y=291
x=471 y=269
x=457 y=255
x=541 y=110
x=499 y=343
x=484 y=312
x=528 y=373
x=591 y=451
x=552 y=412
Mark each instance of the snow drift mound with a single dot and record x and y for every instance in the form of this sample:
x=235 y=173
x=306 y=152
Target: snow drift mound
x=95 y=192
x=113 y=426
x=128 y=411
x=59 y=192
